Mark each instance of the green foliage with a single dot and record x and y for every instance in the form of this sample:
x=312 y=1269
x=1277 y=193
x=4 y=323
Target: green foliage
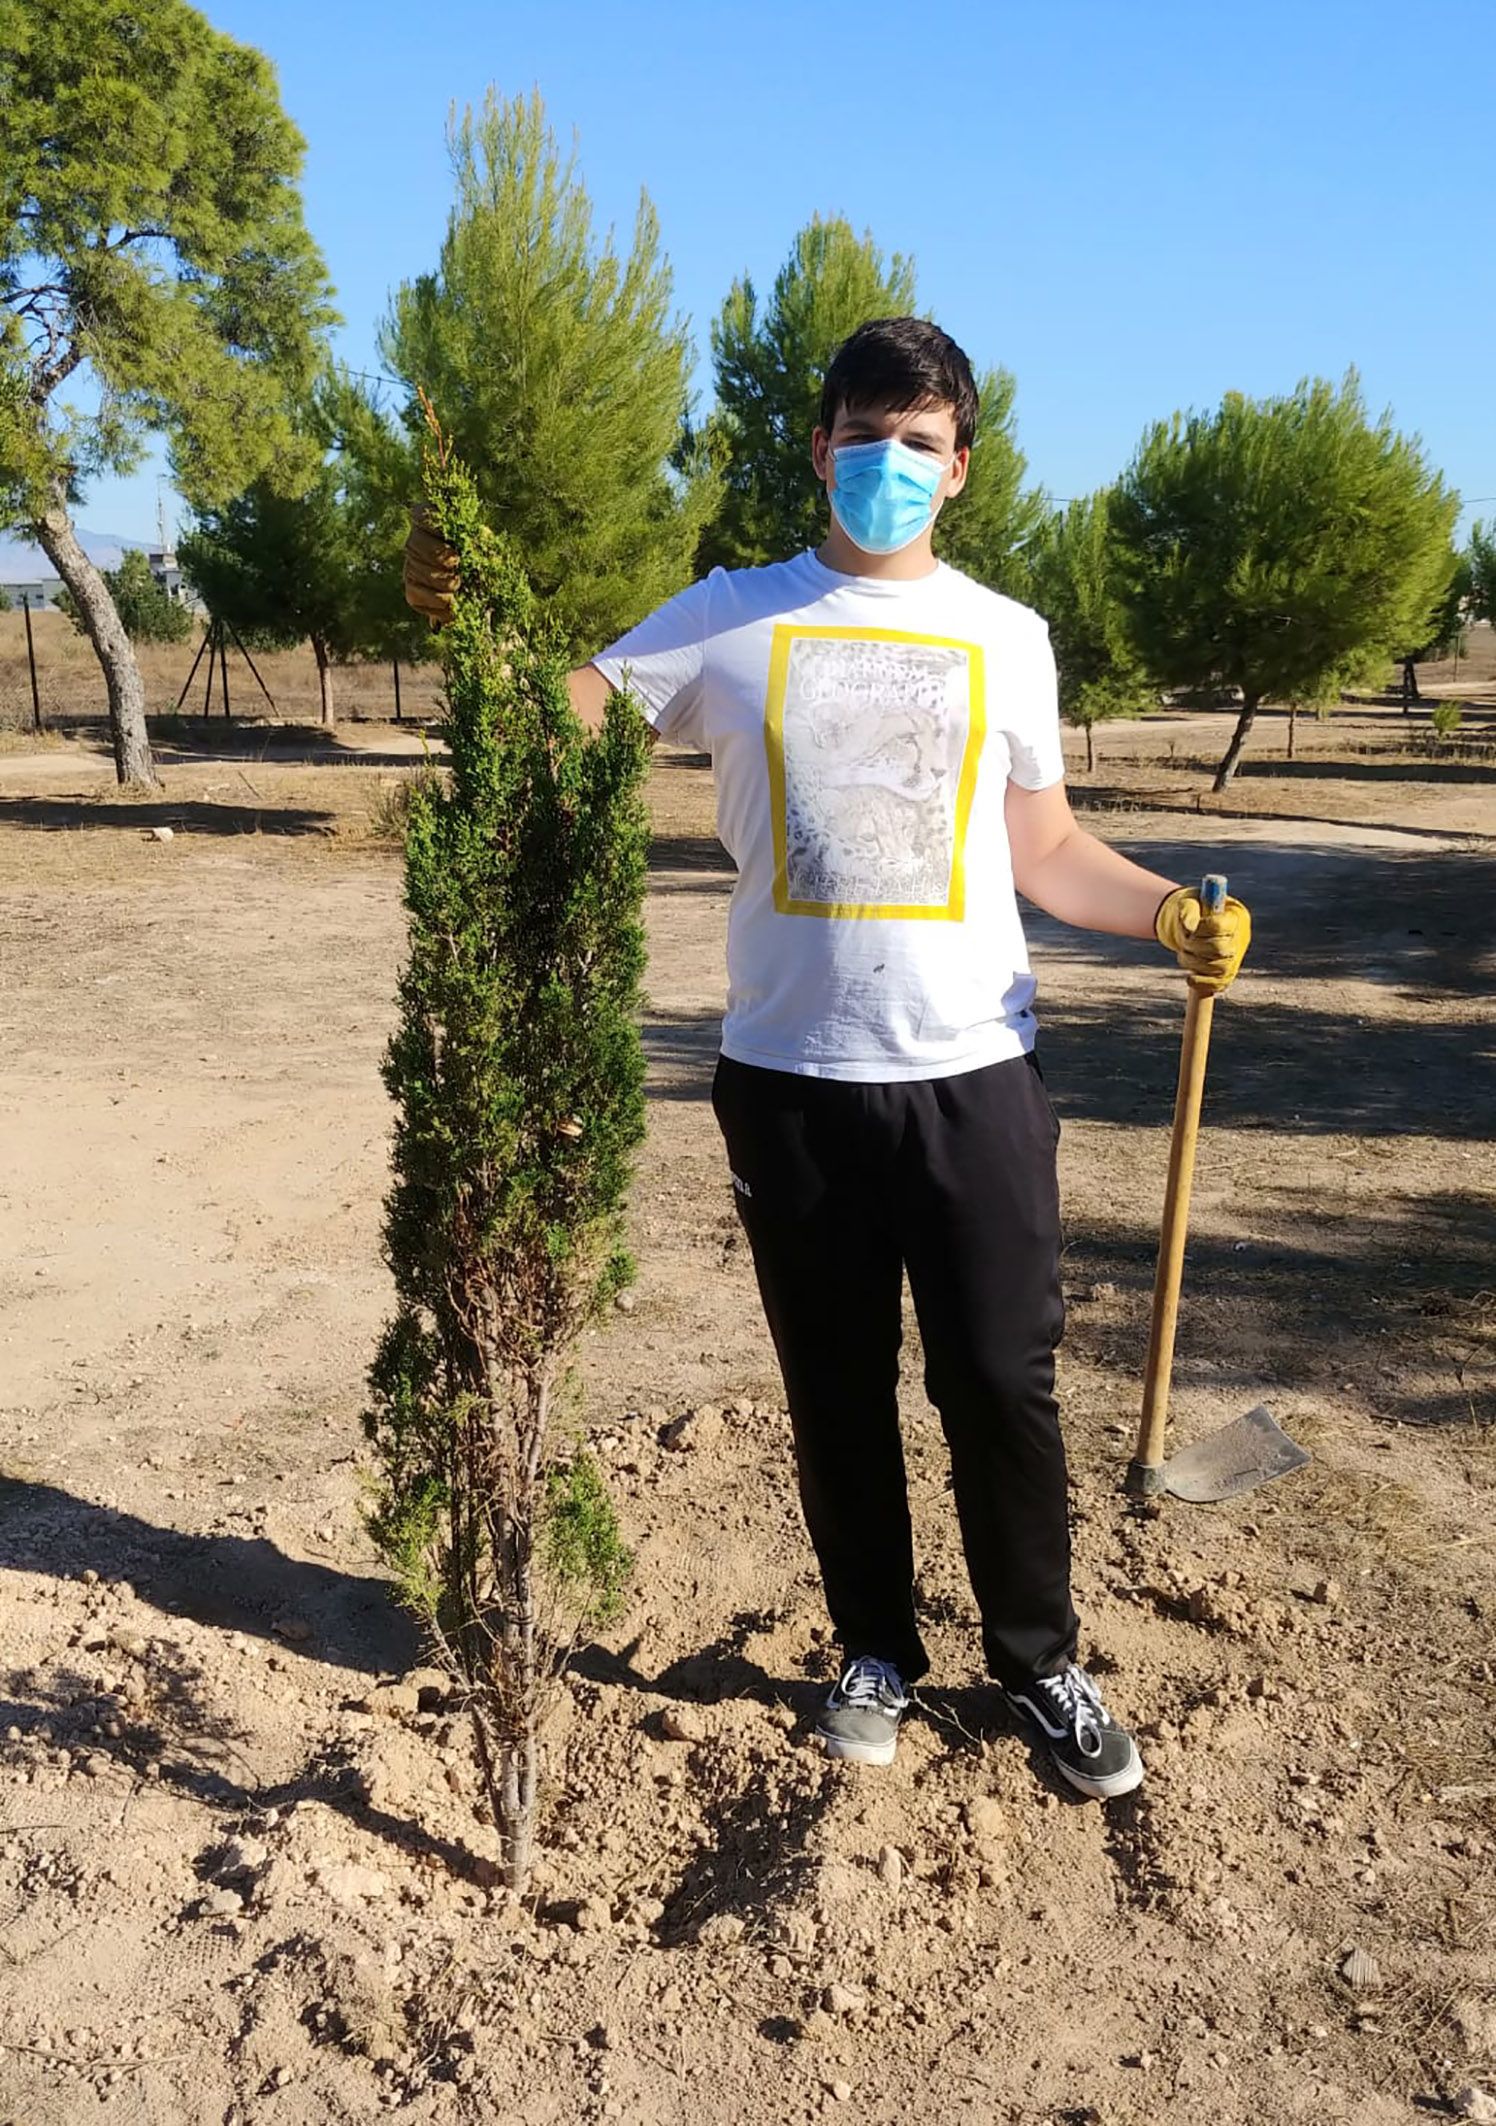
x=146 y=612
x=581 y=1544
x=1443 y=626
x=150 y=234
x=280 y=568
x=1072 y=583
x=769 y=368
x=517 y=1075
x=371 y=462
x=1481 y=562
x=1445 y=718
x=389 y=814
x=319 y=564
x=562 y=377
x=1266 y=545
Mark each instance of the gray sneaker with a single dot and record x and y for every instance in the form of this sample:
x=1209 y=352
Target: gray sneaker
x=1087 y=1746
x=860 y=1719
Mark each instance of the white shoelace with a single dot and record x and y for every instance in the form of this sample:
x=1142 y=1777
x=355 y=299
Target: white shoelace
x=1075 y=1697
x=872 y=1684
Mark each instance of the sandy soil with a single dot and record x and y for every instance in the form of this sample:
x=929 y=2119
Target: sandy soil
x=242 y=1876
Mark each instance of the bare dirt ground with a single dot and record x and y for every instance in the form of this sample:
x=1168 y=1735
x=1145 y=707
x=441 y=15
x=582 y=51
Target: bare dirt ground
x=242 y=1877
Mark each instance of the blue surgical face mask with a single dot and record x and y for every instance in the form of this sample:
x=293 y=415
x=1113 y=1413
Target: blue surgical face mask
x=883 y=493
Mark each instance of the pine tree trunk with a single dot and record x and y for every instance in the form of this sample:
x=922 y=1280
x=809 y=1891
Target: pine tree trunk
x=1410 y=686
x=324 y=680
x=1244 y=724
x=1090 y=749
x=112 y=646
x=1293 y=718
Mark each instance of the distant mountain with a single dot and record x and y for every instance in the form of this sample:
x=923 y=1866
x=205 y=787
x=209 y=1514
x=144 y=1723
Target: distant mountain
x=21 y=562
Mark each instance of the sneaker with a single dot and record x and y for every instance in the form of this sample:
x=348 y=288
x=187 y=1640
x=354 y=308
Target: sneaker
x=860 y=1719
x=1088 y=1747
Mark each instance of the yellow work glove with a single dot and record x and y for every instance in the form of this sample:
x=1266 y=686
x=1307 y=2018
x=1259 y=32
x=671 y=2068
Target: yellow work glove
x=1209 y=943
x=430 y=571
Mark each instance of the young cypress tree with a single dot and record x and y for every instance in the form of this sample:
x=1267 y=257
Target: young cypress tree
x=517 y=1073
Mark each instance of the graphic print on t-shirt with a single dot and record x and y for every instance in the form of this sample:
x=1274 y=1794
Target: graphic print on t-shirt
x=873 y=737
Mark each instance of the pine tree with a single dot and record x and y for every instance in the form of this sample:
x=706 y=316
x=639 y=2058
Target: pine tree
x=155 y=276
x=1072 y=585
x=561 y=375
x=1480 y=560
x=769 y=363
x=146 y=612
x=1276 y=545
x=517 y=1074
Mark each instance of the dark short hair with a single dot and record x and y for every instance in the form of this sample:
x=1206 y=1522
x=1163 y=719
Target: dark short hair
x=897 y=364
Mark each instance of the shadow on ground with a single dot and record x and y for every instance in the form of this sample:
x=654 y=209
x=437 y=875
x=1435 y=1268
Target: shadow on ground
x=235 y=1583
x=1400 y=1288
x=754 y=1854
x=680 y=1048
x=56 y=815
x=1343 y=769
x=1286 y=1052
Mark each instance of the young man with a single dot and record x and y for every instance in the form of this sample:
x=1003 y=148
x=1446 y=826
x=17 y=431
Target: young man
x=886 y=749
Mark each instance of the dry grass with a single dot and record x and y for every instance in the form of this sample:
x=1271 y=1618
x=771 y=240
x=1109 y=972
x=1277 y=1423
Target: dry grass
x=71 y=683
x=389 y=809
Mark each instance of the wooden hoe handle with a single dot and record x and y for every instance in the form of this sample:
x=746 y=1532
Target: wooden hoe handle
x=1145 y=1475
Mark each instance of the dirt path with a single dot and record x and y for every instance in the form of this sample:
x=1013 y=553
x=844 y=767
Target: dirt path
x=242 y=1879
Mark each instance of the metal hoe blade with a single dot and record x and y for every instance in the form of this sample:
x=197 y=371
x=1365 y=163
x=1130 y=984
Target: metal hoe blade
x=1250 y=1451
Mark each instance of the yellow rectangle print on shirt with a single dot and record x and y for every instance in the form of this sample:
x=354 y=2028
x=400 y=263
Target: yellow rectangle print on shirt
x=873 y=737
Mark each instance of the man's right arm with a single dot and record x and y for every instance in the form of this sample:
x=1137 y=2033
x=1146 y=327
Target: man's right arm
x=430 y=569
x=589 y=695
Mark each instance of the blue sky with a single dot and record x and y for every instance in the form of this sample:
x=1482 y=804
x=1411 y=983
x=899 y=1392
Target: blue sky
x=1131 y=206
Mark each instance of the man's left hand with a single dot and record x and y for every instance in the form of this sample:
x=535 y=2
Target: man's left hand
x=1209 y=943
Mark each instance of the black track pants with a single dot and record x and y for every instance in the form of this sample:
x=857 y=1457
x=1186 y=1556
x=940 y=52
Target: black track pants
x=840 y=1188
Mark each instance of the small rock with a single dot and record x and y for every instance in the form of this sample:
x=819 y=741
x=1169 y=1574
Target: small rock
x=1329 y=1593
x=721 y=1930
x=397 y=1700
x=132 y=1644
x=1476 y=2104
x=625 y=1301
x=682 y=1723
x=594 y=1915
x=985 y=1818
x=890 y=1867
x=350 y=1884
x=843 y=2000
x=1361 y=1971
x=243 y=1856
x=294 y=1629
x=221 y=1904
x=842 y=2091
x=160 y=834
x=676 y=1437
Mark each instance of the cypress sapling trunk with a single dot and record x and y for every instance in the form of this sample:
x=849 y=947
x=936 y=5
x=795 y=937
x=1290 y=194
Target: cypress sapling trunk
x=517 y=1075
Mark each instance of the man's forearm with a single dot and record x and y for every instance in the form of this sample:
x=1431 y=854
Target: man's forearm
x=1084 y=882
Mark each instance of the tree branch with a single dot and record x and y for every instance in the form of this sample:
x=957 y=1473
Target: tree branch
x=49 y=375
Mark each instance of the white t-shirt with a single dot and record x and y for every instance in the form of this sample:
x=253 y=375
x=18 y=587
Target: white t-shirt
x=862 y=735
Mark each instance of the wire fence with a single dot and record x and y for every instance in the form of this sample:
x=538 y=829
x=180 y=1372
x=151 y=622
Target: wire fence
x=71 y=696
